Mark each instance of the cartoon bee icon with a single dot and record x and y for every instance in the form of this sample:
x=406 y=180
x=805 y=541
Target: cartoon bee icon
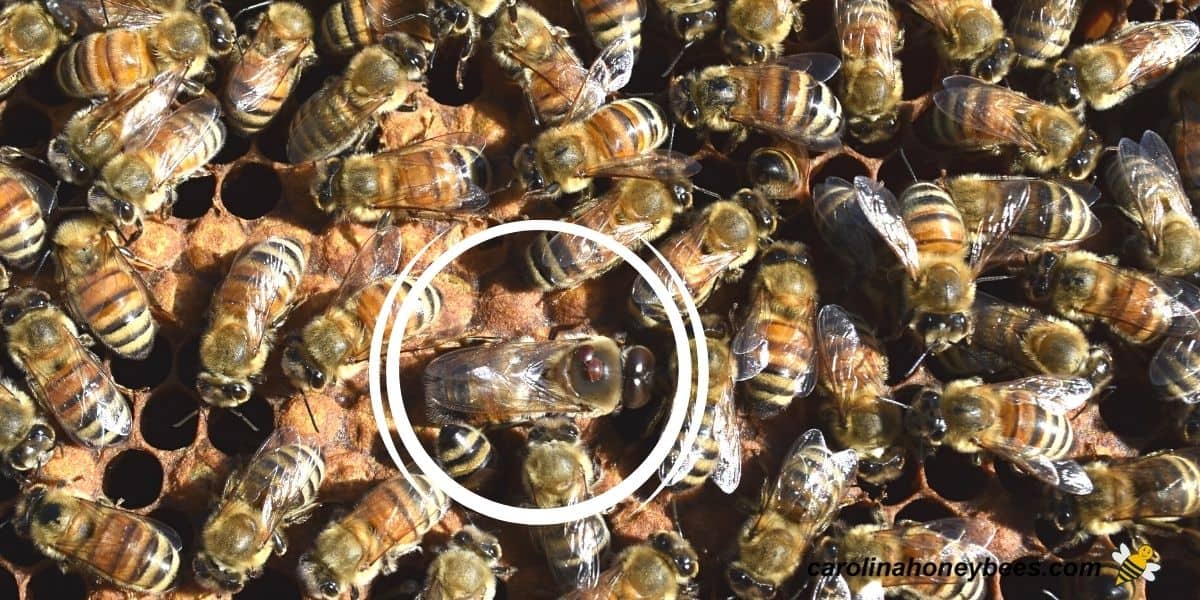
x=1142 y=563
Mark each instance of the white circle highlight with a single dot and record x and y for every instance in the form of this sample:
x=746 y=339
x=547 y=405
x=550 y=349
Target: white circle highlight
x=541 y=516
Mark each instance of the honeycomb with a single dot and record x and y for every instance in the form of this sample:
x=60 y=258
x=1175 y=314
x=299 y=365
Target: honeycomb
x=175 y=462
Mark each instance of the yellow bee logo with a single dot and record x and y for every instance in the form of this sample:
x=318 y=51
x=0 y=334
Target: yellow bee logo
x=1142 y=563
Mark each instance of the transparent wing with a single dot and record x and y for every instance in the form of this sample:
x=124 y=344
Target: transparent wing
x=994 y=228
x=940 y=13
x=436 y=174
x=819 y=65
x=1066 y=475
x=856 y=20
x=182 y=124
x=841 y=351
x=378 y=257
x=98 y=15
x=830 y=587
x=274 y=484
x=1000 y=118
x=665 y=165
x=258 y=307
x=728 y=472
x=137 y=111
x=1153 y=49
x=262 y=78
x=684 y=251
x=1154 y=182
x=751 y=349
x=586 y=540
x=812 y=480
x=1054 y=393
x=762 y=112
x=1183 y=305
x=880 y=208
x=96 y=550
x=581 y=253
x=609 y=73
x=1175 y=365
x=843 y=224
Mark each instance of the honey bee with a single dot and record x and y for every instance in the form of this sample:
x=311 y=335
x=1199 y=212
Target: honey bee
x=1104 y=73
x=66 y=378
x=1057 y=214
x=663 y=567
x=1041 y=30
x=862 y=416
x=1023 y=421
x=267 y=69
x=464 y=18
x=633 y=211
x=774 y=173
x=97 y=133
x=112 y=61
x=466 y=454
x=387 y=523
x=518 y=381
x=559 y=471
x=939 y=254
x=620 y=139
x=716 y=453
x=276 y=489
x=755 y=29
x=1038 y=343
x=1149 y=491
x=950 y=540
x=102 y=289
x=26 y=439
x=972 y=37
x=1146 y=185
x=795 y=509
x=90 y=16
x=975 y=115
x=28 y=38
x=129 y=551
x=467 y=569
x=249 y=306
x=841 y=224
x=25 y=200
x=1175 y=370
x=691 y=20
x=775 y=347
x=557 y=86
x=141 y=178
x=724 y=238
x=351 y=25
x=870 y=36
x=613 y=21
x=1184 y=104
x=445 y=173
x=343 y=112
x=786 y=98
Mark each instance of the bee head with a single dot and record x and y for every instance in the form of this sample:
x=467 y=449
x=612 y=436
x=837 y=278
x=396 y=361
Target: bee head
x=299 y=367
x=766 y=216
x=637 y=375
x=925 y=421
x=450 y=18
x=1081 y=164
x=34 y=450
x=318 y=579
x=683 y=104
x=741 y=50
x=1061 y=86
x=529 y=169
x=996 y=62
x=222 y=33
x=482 y=543
x=22 y=302
x=324 y=186
x=222 y=391
x=871 y=131
x=64 y=162
x=554 y=429
x=30 y=507
x=213 y=576
x=694 y=26
x=682 y=556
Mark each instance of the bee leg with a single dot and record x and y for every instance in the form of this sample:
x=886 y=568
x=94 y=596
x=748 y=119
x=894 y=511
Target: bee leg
x=278 y=543
x=460 y=70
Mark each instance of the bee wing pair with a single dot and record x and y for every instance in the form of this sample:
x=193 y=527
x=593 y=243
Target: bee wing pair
x=98 y=15
x=608 y=74
x=282 y=490
x=665 y=165
x=751 y=348
x=1001 y=120
x=410 y=157
x=820 y=68
x=1154 y=48
x=264 y=78
x=686 y=248
x=855 y=21
x=844 y=356
x=175 y=125
x=812 y=481
x=1154 y=195
x=139 y=111
x=598 y=214
x=727 y=473
x=378 y=257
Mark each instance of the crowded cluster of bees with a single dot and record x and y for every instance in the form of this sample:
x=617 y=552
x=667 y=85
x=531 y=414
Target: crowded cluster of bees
x=944 y=254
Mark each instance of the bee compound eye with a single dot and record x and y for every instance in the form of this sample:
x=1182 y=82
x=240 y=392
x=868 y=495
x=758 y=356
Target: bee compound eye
x=685 y=565
x=49 y=513
x=590 y=364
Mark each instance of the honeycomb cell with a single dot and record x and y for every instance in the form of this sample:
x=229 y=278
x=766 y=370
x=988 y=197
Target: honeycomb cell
x=903 y=487
x=23 y=125
x=241 y=430
x=134 y=479
x=234 y=149
x=843 y=165
x=195 y=198
x=8 y=489
x=178 y=520
x=51 y=584
x=859 y=513
x=1170 y=581
x=169 y=420
x=1026 y=585
x=924 y=509
x=17 y=550
x=251 y=190
x=442 y=86
x=953 y=476
x=187 y=362
x=1129 y=415
x=272 y=584
x=145 y=373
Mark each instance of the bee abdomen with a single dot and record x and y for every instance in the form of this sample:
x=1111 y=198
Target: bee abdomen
x=463 y=451
x=116 y=309
x=628 y=127
x=933 y=219
x=22 y=228
x=146 y=559
x=91 y=409
x=345 y=28
x=105 y=63
x=610 y=20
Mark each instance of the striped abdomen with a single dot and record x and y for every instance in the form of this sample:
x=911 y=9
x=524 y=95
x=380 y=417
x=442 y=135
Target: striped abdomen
x=330 y=122
x=624 y=129
x=1041 y=29
x=970 y=123
x=437 y=178
x=791 y=100
x=573 y=549
x=266 y=275
x=351 y=25
x=22 y=227
x=1031 y=425
x=933 y=220
x=1162 y=485
x=289 y=475
x=786 y=322
x=1055 y=212
x=254 y=92
x=1187 y=149
x=706 y=452
x=364 y=307
x=463 y=451
x=1127 y=302
x=920 y=545
x=120 y=547
x=105 y=294
x=193 y=135
x=106 y=63
x=1174 y=368
x=610 y=20
x=391 y=518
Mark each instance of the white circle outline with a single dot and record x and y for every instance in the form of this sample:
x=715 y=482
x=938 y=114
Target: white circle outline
x=592 y=506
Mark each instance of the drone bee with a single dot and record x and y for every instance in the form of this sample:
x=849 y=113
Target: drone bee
x=1041 y=30
x=466 y=569
x=633 y=211
x=387 y=523
x=28 y=38
x=871 y=85
x=663 y=567
x=521 y=380
x=724 y=238
x=249 y=306
x=1104 y=73
x=786 y=98
x=26 y=439
x=1146 y=185
x=141 y=178
x=102 y=289
x=558 y=471
x=972 y=37
x=277 y=488
x=975 y=115
x=125 y=549
x=716 y=452
x=25 y=200
x=620 y=139
x=755 y=29
x=268 y=68
x=775 y=347
x=795 y=509
x=557 y=86
x=344 y=111
x=1022 y=421
x=66 y=378
x=1057 y=214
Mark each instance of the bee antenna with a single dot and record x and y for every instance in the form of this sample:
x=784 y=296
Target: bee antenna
x=671 y=137
x=104 y=11
x=994 y=278
x=708 y=192
x=237 y=413
x=185 y=419
x=8 y=153
x=679 y=56
x=1049 y=594
x=904 y=157
x=311 y=417
x=920 y=359
x=254 y=6
x=887 y=400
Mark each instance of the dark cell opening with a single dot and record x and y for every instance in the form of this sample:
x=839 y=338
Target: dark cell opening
x=859 y=513
x=52 y=584
x=903 y=487
x=195 y=197
x=23 y=126
x=231 y=433
x=1060 y=543
x=149 y=372
x=918 y=60
x=16 y=549
x=235 y=147
x=1018 y=483
x=8 y=489
x=953 y=476
x=1028 y=585
x=8 y=585
x=843 y=165
x=188 y=362
x=443 y=87
x=134 y=478
x=1128 y=414
x=405 y=583
x=43 y=87
x=169 y=419
x=251 y=190
x=272 y=584
x=177 y=520
x=924 y=510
